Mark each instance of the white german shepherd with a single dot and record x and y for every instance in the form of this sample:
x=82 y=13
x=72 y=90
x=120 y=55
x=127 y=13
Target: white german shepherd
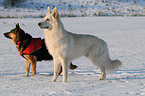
x=65 y=46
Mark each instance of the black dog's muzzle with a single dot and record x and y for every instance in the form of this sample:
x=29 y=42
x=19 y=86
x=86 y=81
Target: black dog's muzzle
x=7 y=35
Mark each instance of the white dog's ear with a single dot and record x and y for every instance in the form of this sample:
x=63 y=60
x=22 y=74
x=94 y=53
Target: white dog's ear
x=48 y=10
x=55 y=13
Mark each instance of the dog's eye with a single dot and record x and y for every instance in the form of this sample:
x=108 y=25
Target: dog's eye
x=47 y=19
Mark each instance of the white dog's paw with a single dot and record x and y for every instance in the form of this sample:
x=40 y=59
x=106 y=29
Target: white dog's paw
x=64 y=80
x=101 y=78
x=53 y=80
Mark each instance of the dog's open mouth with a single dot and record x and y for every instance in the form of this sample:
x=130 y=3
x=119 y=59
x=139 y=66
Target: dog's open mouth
x=44 y=27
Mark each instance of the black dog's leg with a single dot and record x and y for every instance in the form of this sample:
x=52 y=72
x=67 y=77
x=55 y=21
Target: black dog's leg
x=72 y=67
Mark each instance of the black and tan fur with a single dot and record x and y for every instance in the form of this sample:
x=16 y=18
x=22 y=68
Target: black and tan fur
x=17 y=34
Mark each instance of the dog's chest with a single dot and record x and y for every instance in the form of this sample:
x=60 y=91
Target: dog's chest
x=55 y=43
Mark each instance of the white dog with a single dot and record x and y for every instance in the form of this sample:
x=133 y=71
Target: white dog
x=65 y=46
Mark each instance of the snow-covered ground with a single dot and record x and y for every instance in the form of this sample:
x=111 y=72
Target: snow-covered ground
x=72 y=8
x=125 y=38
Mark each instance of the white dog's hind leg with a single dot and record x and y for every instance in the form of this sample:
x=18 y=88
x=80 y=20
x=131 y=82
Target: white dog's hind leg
x=103 y=74
x=97 y=62
x=56 y=69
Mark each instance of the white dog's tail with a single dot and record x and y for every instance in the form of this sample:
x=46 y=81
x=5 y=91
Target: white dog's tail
x=113 y=65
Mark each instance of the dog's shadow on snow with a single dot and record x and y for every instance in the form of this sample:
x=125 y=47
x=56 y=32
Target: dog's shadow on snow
x=38 y=73
x=45 y=73
x=5 y=74
x=129 y=74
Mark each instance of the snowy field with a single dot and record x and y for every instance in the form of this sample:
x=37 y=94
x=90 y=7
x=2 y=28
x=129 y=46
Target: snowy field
x=125 y=38
x=72 y=8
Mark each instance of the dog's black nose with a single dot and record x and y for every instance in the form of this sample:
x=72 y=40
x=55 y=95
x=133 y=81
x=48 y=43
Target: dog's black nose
x=5 y=34
x=39 y=24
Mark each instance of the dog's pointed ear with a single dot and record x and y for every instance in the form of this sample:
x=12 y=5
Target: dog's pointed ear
x=48 y=10
x=55 y=13
x=17 y=26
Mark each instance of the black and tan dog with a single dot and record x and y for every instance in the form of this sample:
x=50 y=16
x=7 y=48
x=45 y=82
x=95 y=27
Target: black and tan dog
x=32 y=49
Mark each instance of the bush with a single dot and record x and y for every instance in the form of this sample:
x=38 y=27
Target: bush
x=13 y=2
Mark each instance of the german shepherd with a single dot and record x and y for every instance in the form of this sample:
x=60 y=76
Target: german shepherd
x=65 y=47
x=32 y=49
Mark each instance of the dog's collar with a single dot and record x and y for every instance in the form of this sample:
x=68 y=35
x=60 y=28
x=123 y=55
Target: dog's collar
x=18 y=43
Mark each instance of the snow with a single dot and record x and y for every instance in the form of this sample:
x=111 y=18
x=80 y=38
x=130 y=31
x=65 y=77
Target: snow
x=125 y=39
x=72 y=8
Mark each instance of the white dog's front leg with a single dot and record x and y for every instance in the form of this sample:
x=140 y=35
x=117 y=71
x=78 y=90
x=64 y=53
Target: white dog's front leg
x=65 y=70
x=56 y=69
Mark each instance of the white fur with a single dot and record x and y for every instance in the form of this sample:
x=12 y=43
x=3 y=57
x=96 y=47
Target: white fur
x=66 y=46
